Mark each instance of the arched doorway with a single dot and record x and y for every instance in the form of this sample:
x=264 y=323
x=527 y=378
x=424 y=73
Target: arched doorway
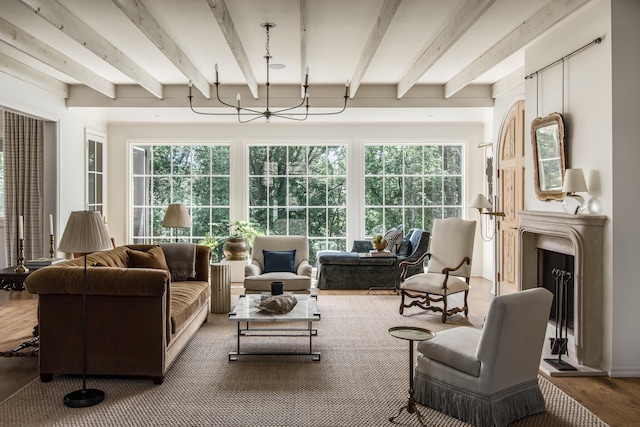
x=511 y=188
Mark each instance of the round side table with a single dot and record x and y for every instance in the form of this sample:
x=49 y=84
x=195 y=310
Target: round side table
x=411 y=334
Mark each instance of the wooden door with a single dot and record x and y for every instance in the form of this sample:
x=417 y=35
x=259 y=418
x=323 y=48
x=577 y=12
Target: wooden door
x=511 y=190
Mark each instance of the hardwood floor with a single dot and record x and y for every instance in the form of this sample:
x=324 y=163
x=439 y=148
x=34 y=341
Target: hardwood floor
x=615 y=400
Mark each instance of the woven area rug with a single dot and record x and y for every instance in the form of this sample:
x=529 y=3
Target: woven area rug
x=361 y=380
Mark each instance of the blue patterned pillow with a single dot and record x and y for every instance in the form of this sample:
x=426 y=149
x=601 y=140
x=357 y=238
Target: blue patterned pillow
x=279 y=261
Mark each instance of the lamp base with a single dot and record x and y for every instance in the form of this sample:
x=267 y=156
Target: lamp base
x=573 y=204
x=84 y=398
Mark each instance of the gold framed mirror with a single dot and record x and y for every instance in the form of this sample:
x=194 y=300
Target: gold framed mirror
x=549 y=156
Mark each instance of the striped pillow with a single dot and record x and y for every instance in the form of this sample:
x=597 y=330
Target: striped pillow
x=394 y=238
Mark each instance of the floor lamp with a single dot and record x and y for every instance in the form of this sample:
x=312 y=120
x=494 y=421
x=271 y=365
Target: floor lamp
x=85 y=233
x=176 y=217
x=480 y=202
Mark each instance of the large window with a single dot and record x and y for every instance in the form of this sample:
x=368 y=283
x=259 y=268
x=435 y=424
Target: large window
x=409 y=186
x=95 y=173
x=300 y=190
x=196 y=175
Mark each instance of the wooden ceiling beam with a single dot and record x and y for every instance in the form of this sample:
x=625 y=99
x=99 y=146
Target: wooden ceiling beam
x=541 y=21
x=140 y=16
x=507 y=83
x=44 y=53
x=460 y=24
x=303 y=44
x=61 y=18
x=220 y=11
x=27 y=74
x=385 y=16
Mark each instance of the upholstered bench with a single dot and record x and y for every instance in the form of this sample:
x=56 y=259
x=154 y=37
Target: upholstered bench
x=353 y=270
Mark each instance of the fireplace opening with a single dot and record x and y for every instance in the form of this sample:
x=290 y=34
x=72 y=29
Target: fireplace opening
x=548 y=263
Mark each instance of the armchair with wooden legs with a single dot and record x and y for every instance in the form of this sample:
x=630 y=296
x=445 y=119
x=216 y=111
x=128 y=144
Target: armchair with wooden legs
x=448 y=270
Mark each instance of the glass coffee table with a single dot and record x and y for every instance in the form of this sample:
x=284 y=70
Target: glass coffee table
x=245 y=314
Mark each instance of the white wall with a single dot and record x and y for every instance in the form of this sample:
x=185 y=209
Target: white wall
x=355 y=135
x=601 y=125
x=625 y=177
x=64 y=162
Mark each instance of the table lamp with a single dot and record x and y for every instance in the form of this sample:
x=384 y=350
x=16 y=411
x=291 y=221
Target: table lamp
x=85 y=233
x=573 y=182
x=176 y=217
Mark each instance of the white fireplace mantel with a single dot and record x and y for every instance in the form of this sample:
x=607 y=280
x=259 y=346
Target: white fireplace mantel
x=581 y=236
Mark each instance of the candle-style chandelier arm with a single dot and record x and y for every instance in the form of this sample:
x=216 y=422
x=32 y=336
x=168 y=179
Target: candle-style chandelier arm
x=283 y=113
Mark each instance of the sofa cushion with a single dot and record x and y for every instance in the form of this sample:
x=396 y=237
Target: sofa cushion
x=154 y=258
x=279 y=261
x=186 y=298
x=405 y=248
x=393 y=238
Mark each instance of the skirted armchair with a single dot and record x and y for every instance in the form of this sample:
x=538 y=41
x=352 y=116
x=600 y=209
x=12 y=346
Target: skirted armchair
x=488 y=377
x=279 y=258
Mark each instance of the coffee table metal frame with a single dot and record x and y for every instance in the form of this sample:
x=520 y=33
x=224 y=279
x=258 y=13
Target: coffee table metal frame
x=245 y=312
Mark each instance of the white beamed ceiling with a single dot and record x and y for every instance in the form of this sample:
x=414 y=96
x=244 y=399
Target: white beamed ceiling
x=140 y=55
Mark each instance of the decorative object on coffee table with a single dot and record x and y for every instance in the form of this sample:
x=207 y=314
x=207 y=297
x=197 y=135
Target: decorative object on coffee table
x=411 y=334
x=277 y=304
x=85 y=233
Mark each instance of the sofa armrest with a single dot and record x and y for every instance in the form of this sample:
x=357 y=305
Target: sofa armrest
x=252 y=269
x=100 y=281
x=304 y=269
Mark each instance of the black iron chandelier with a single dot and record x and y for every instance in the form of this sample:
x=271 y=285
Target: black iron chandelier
x=246 y=115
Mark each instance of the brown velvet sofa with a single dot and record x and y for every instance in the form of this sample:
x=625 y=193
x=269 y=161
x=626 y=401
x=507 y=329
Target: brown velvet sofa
x=138 y=319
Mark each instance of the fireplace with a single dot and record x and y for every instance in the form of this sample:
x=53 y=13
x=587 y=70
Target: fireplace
x=550 y=263
x=578 y=239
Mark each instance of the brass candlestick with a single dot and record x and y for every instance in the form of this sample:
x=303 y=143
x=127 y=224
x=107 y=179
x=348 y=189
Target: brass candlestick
x=21 y=267
x=52 y=250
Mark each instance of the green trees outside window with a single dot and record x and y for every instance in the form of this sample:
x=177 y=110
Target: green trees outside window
x=197 y=176
x=300 y=190
x=409 y=186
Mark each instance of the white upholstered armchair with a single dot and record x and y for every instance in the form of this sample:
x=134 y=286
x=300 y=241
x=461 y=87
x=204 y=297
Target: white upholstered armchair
x=279 y=258
x=488 y=377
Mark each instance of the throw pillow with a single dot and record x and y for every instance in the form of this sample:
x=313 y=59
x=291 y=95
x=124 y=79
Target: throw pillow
x=279 y=261
x=154 y=258
x=405 y=248
x=393 y=237
x=279 y=304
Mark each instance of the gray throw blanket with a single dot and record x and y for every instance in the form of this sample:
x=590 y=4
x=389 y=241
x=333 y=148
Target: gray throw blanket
x=181 y=259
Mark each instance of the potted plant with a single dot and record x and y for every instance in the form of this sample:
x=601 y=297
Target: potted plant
x=379 y=243
x=241 y=234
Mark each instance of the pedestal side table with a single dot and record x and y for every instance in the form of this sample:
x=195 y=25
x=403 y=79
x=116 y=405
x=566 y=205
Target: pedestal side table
x=411 y=334
x=220 y=288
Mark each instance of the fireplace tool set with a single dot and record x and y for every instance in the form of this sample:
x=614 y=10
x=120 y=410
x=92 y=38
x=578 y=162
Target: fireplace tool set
x=559 y=343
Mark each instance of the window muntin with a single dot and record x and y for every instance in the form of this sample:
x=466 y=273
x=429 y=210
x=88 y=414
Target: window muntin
x=409 y=185
x=300 y=190
x=95 y=173
x=196 y=175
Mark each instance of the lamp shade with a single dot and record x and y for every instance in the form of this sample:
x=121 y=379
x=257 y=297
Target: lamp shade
x=480 y=202
x=85 y=232
x=176 y=216
x=573 y=181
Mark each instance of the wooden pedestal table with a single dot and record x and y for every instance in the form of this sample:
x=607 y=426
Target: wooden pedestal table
x=220 y=288
x=411 y=334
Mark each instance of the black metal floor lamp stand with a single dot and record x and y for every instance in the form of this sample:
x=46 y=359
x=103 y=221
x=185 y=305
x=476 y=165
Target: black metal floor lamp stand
x=86 y=396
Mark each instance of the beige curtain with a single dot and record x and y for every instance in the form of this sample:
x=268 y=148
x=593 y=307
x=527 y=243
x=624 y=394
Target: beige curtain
x=23 y=185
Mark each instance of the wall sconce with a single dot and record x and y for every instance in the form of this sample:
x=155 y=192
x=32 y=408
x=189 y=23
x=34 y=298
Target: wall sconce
x=480 y=202
x=573 y=182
